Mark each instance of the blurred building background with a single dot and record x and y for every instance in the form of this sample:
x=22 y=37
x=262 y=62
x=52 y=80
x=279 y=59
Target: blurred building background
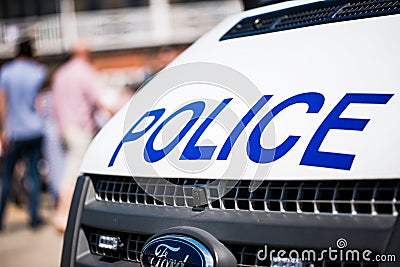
x=131 y=38
x=109 y=24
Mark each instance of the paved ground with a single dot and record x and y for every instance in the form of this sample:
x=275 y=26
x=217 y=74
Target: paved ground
x=23 y=247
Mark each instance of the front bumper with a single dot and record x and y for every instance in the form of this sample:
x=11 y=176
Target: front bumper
x=243 y=232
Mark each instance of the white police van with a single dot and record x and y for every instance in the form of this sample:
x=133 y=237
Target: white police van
x=271 y=141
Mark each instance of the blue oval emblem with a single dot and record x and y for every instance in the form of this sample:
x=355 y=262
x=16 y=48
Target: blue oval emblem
x=176 y=250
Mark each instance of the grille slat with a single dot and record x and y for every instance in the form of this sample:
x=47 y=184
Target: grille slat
x=365 y=197
x=311 y=14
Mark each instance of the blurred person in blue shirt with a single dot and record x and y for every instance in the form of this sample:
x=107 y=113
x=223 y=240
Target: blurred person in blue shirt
x=20 y=125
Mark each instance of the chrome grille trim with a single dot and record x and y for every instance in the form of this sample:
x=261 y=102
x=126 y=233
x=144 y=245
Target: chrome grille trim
x=363 y=197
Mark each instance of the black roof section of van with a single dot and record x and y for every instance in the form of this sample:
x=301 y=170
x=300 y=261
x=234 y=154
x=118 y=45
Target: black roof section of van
x=312 y=14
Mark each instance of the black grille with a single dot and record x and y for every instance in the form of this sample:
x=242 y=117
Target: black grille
x=246 y=255
x=305 y=17
x=311 y=14
x=364 y=197
x=368 y=7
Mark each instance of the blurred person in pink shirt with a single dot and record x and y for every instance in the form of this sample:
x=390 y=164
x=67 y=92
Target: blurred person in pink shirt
x=76 y=89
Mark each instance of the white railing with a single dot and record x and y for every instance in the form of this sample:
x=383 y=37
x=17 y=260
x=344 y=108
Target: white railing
x=118 y=28
x=46 y=31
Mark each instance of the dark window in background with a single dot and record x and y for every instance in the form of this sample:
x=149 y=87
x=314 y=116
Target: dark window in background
x=2 y=9
x=250 y=4
x=48 y=6
x=27 y=8
x=88 y=5
x=190 y=1
x=13 y=8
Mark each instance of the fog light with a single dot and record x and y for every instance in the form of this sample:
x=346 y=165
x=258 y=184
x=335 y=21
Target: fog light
x=109 y=242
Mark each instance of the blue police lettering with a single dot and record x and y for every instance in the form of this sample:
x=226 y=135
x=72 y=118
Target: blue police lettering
x=154 y=155
x=256 y=153
x=231 y=140
x=313 y=157
x=259 y=154
x=131 y=136
x=193 y=152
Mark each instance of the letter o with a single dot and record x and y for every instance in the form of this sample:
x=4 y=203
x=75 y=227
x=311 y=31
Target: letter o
x=154 y=155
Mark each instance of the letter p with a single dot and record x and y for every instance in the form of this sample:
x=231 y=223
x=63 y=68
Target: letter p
x=132 y=136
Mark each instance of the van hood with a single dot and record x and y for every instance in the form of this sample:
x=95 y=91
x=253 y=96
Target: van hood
x=319 y=102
